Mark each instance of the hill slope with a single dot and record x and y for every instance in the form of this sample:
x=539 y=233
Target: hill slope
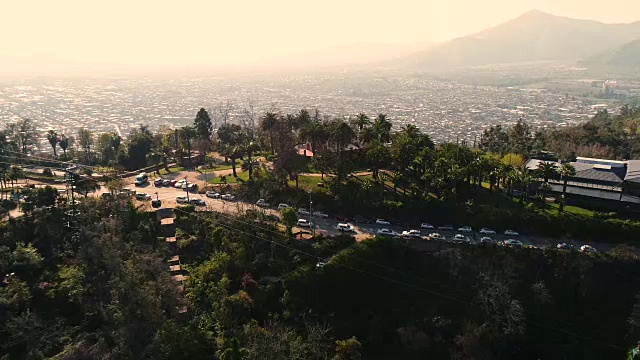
x=627 y=55
x=534 y=36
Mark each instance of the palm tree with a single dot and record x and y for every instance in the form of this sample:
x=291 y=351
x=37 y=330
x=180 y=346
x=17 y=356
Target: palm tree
x=52 y=136
x=526 y=179
x=361 y=121
x=154 y=156
x=383 y=128
x=367 y=135
x=547 y=170
x=566 y=171
x=411 y=131
x=269 y=124
x=314 y=132
x=64 y=144
x=342 y=134
x=249 y=149
x=187 y=133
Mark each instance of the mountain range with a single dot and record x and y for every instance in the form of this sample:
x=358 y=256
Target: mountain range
x=533 y=37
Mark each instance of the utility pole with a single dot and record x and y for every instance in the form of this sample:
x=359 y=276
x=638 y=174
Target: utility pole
x=313 y=224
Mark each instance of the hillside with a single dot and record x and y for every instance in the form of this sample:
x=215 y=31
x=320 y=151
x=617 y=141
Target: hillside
x=534 y=36
x=627 y=55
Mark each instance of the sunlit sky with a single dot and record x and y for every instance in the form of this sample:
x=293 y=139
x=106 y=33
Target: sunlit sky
x=241 y=31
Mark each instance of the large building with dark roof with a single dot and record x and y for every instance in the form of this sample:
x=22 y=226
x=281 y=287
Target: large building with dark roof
x=600 y=178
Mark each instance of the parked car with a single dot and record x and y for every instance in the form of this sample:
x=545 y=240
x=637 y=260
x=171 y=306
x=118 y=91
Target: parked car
x=387 y=232
x=486 y=231
x=178 y=184
x=182 y=200
x=511 y=233
x=382 y=222
x=197 y=202
x=361 y=219
x=320 y=214
x=228 y=197
x=512 y=243
x=303 y=211
x=459 y=238
x=173 y=182
x=563 y=246
x=588 y=249
x=143 y=196
x=158 y=182
x=412 y=234
x=486 y=240
x=445 y=228
x=465 y=229
x=437 y=236
x=283 y=206
x=343 y=218
x=344 y=227
x=166 y=182
x=262 y=203
x=192 y=188
x=426 y=226
x=212 y=195
x=272 y=217
x=304 y=223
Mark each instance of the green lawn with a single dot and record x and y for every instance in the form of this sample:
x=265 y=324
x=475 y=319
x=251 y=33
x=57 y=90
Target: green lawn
x=218 y=167
x=243 y=175
x=172 y=169
x=310 y=183
x=552 y=208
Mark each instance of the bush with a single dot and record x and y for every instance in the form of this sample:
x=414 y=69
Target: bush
x=47 y=172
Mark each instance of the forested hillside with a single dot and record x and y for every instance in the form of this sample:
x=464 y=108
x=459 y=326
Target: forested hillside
x=103 y=291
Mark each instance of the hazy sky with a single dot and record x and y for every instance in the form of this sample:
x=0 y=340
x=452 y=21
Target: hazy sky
x=231 y=31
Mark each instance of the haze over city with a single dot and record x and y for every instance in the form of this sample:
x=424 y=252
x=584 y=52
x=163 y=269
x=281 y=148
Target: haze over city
x=69 y=35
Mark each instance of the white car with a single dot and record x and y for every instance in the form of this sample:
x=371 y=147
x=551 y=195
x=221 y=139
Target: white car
x=179 y=183
x=459 y=238
x=512 y=243
x=588 y=249
x=387 y=232
x=212 y=195
x=304 y=223
x=143 y=196
x=486 y=231
x=511 y=233
x=426 y=226
x=303 y=211
x=262 y=203
x=344 y=227
x=412 y=234
x=563 y=246
x=283 y=206
x=436 y=236
x=382 y=222
x=182 y=200
x=465 y=229
x=320 y=214
x=486 y=240
x=228 y=197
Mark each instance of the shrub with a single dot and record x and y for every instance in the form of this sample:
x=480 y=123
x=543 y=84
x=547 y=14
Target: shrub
x=47 y=172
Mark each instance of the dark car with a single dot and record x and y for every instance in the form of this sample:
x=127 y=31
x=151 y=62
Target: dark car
x=446 y=228
x=343 y=218
x=362 y=219
x=158 y=182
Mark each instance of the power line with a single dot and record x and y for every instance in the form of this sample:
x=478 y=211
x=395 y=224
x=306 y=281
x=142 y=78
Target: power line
x=415 y=287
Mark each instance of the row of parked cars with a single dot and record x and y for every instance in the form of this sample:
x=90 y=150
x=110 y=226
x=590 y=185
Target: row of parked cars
x=178 y=184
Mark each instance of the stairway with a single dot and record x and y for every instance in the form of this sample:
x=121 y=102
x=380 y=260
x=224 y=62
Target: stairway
x=166 y=217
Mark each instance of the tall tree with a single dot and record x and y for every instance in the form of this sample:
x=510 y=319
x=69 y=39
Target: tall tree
x=52 y=137
x=202 y=125
x=566 y=172
x=24 y=134
x=269 y=124
x=187 y=134
x=383 y=128
x=250 y=149
x=64 y=144
x=361 y=121
x=85 y=137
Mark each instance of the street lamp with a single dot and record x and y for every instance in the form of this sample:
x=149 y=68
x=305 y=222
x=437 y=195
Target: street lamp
x=313 y=224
